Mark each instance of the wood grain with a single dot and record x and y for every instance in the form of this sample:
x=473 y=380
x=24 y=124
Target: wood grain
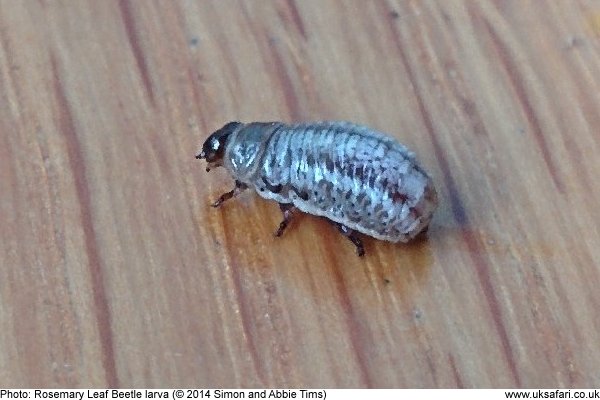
x=114 y=270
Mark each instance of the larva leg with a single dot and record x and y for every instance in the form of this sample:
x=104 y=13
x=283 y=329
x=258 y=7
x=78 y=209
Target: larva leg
x=239 y=188
x=350 y=234
x=287 y=209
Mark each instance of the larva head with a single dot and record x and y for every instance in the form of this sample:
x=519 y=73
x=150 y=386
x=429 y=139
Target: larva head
x=213 y=148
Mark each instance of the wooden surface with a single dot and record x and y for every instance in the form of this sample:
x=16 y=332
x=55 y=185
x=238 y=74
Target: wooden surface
x=116 y=272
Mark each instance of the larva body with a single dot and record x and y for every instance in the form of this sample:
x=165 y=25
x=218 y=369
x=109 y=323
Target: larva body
x=348 y=173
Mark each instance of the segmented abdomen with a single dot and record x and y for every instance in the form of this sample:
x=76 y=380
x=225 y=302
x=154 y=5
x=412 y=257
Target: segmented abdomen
x=349 y=174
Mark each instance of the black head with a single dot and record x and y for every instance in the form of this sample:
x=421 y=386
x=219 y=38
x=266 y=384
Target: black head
x=213 y=148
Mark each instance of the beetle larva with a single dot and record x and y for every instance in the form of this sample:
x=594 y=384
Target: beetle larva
x=360 y=179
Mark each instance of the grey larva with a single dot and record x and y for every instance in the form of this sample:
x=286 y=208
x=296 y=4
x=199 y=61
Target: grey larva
x=360 y=179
